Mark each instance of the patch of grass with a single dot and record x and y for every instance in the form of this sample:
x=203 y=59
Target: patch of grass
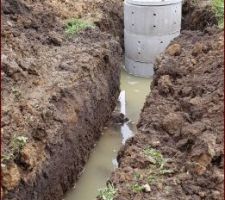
x=166 y=171
x=18 y=143
x=107 y=193
x=137 y=176
x=218 y=7
x=136 y=188
x=152 y=179
x=16 y=146
x=76 y=25
x=6 y=157
x=155 y=157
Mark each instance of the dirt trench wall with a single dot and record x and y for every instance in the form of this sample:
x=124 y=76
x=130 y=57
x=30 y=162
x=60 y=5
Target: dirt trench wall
x=65 y=125
x=182 y=121
x=57 y=92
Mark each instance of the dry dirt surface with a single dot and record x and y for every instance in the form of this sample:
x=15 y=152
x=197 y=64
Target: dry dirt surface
x=178 y=153
x=57 y=92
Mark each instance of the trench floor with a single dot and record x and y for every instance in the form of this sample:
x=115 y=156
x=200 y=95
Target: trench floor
x=102 y=160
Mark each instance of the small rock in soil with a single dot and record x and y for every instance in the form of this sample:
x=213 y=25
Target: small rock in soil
x=55 y=39
x=174 y=50
x=10 y=177
x=198 y=48
x=28 y=156
x=147 y=188
x=119 y=118
x=165 y=84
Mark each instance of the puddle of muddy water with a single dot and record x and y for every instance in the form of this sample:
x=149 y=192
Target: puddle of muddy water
x=102 y=160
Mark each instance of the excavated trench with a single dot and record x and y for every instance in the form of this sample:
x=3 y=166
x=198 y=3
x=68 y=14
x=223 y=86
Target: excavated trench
x=132 y=97
x=102 y=160
x=64 y=91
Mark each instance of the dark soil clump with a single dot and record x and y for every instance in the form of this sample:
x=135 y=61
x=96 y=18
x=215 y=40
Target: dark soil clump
x=198 y=15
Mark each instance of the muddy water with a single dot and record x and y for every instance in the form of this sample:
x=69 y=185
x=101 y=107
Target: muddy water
x=103 y=159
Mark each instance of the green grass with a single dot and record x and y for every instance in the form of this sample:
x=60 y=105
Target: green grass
x=17 y=144
x=137 y=176
x=107 y=193
x=155 y=157
x=6 y=158
x=136 y=188
x=166 y=171
x=152 y=179
x=218 y=7
x=76 y=25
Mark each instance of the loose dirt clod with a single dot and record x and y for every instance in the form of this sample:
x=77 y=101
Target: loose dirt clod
x=174 y=50
x=11 y=176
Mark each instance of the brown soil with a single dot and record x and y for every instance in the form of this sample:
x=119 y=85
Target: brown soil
x=183 y=118
x=57 y=91
x=197 y=15
x=105 y=14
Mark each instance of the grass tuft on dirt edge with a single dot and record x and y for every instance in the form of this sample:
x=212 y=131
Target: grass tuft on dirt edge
x=74 y=26
x=218 y=7
x=16 y=146
x=107 y=193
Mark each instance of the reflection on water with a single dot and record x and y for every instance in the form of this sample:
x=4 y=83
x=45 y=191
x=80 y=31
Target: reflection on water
x=125 y=130
x=102 y=160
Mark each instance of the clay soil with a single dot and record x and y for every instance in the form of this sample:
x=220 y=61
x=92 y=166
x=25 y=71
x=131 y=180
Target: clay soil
x=183 y=120
x=57 y=92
